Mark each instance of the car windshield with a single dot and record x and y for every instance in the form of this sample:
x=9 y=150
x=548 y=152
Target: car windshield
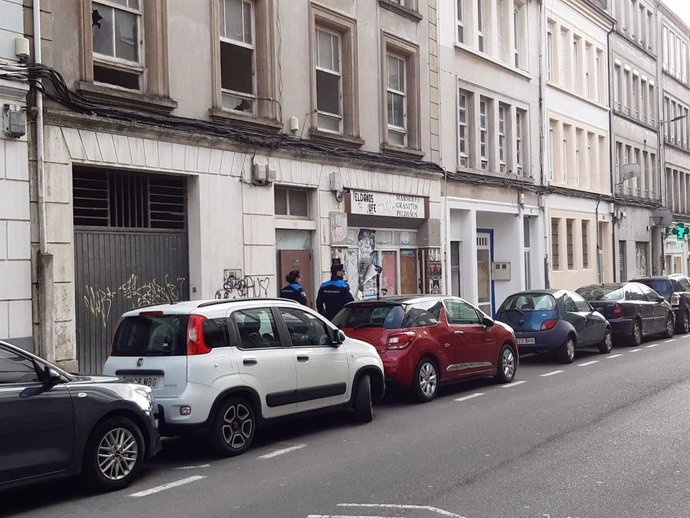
x=389 y=316
x=529 y=302
x=662 y=286
x=602 y=292
x=164 y=335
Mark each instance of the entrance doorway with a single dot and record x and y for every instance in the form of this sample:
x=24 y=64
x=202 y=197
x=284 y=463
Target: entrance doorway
x=484 y=279
x=408 y=272
x=289 y=260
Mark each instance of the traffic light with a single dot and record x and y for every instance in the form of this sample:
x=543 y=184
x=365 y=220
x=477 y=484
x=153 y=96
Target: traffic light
x=680 y=231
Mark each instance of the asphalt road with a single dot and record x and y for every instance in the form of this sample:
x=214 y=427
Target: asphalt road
x=604 y=437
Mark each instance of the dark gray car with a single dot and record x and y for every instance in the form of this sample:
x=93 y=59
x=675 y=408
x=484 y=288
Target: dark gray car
x=55 y=424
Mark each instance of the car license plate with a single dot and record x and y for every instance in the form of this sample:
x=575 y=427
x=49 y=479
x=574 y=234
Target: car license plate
x=525 y=341
x=149 y=381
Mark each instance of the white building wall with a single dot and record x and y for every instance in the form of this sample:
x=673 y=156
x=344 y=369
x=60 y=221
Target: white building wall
x=15 y=243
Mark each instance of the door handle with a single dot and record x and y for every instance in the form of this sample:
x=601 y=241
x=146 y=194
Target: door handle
x=302 y=358
x=458 y=332
x=249 y=361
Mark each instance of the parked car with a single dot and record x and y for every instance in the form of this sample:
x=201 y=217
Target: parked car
x=55 y=424
x=555 y=321
x=676 y=291
x=632 y=309
x=427 y=340
x=224 y=367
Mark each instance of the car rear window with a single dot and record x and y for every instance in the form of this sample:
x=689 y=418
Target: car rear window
x=164 y=335
x=529 y=302
x=602 y=292
x=662 y=286
x=388 y=316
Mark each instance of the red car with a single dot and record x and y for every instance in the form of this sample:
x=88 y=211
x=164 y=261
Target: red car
x=427 y=340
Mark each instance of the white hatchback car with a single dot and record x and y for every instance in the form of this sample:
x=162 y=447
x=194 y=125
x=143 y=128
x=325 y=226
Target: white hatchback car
x=226 y=366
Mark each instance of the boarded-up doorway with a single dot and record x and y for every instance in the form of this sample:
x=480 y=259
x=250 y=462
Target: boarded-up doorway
x=289 y=260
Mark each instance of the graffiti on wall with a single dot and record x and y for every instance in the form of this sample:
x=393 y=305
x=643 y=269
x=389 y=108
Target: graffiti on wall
x=244 y=287
x=99 y=301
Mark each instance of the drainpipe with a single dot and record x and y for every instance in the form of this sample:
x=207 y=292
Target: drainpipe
x=611 y=147
x=542 y=146
x=45 y=260
x=600 y=277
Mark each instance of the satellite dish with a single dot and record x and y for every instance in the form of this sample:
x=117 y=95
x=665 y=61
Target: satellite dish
x=662 y=217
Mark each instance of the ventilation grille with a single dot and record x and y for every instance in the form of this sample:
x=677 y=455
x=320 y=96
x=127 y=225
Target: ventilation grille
x=128 y=200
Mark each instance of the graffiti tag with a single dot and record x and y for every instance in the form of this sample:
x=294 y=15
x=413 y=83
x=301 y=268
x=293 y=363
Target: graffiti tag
x=244 y=287
x=99 y=302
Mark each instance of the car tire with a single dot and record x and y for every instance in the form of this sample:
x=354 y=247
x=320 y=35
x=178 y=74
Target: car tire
x=113 y=454
x=364 y=406
x=636 y=334
x=566 y=354
x=607 y=343
x=425 y=385
x=684 y=326
x=507 y=365
x=233 y=427
x=670 y=326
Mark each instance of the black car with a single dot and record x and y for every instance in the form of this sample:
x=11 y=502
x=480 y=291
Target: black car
x=55 y=424
x=634 y=310
x=676 y=291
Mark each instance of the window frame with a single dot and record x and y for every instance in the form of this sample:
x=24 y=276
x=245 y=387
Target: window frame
x=288 y=190
x=463 y=157
x=520 y=116
x=392 y=92
x=121 y=63
x=502 y=152
x=483 y=134
x=334 y=36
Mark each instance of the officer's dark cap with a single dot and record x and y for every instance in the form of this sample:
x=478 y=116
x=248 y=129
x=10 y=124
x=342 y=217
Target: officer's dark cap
x=292 y=276
x=337 y=268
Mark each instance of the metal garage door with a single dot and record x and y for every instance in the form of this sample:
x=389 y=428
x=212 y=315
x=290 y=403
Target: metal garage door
x=130 y=251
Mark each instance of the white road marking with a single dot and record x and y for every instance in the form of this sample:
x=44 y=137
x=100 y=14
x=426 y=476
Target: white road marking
x=513 y=384
x=669 y=341
x=195 y=467
x=651 y=345
x=471 y=396
x=610 y=356
x=550 y=373
x=347 y=516
x=282 y=452
x=404 y=506
x=635 y=350
x=587 y=363
x=158 y=489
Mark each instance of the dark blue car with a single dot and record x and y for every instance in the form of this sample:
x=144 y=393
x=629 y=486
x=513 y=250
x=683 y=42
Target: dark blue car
x=555 y=321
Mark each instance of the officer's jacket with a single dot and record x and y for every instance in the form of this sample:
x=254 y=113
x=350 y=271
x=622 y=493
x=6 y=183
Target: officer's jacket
x=294 y=291
x=333 y=295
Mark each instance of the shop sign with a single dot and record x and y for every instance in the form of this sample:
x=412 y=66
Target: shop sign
x=673 y=246
x=386 y=204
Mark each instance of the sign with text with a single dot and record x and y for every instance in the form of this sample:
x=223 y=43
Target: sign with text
x=673 y=246
x=386 y=204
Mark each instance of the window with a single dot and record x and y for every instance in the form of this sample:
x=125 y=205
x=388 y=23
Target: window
x=588 y=76
x=304 y=328
x=142 y=335
x=291 y=202
x=519 y=158
x=563 y=72
x=460 y=312
x=549 y=55
x=565 y=153
x=568 y=303
x=480 y=25
x=569 y=223
x=462 y=128
x=461 y=20
x=396 y=101
x=577 y=72
x=585 y=244
x=216 y=332
x=237 y=77
x=555 y=259
x=516 y=35
x=257 y=328
x=329 y=81
x=16 y=369
x=581 y=304
x=116 y=32
x=483 y=134
x=552 y=148
x=502 y=138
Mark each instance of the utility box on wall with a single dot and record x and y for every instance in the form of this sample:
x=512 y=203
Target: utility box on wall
x=501 y=271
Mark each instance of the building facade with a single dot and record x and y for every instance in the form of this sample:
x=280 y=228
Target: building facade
x=577 y=159
x=254 y=155
x=15 y=210
x=490 y=73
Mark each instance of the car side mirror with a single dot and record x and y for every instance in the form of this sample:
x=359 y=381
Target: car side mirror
x=487 y=322
x=337 y=337
x=660 y=298
x=51 y=376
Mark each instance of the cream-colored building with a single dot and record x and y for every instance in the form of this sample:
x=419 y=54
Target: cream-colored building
x=261 y=136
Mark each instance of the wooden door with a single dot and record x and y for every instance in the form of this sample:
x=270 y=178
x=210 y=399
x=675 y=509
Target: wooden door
x=289 y=260
x=409 y=283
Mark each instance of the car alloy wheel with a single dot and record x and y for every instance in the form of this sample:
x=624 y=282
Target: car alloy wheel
x=426 y=380
x=670 y=324
x=637 y=333
x=233 y=428
x=607 y=343
x=686 y=322
x=117 y=454
x=507 y=365
x=567 y=352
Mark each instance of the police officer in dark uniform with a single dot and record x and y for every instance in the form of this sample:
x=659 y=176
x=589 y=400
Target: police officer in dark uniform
x=333 y=294
x=294 y=289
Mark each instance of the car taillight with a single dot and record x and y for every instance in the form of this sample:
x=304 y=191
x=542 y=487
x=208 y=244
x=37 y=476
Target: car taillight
x=112 y=342
x=195 y=336
x=548 y=324
x=617 y=310
x=401 y=340
x=675 y=299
